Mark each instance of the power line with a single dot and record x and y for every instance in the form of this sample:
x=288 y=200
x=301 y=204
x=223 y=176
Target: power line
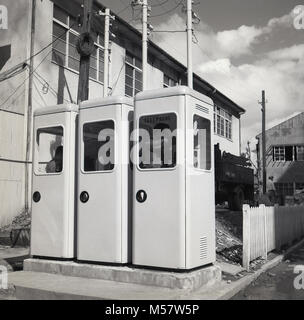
x=51 y=43
x=44 y=82
x=39 y=93
x=15 y=112
x=168 y=31
x=37 y=65
x=124 y=9
x=116 y=82
x=167 y=12
x=159 y=4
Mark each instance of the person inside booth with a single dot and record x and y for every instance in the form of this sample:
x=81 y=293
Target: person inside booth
x=55 y=165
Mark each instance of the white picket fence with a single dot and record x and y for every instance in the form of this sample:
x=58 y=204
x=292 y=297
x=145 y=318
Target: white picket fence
x=268 y=228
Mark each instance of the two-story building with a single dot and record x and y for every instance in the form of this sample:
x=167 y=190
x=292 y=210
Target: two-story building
x=284 y=155
x=54 y=29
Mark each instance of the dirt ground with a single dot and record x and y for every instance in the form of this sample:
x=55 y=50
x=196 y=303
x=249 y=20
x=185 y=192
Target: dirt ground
x=229 y=229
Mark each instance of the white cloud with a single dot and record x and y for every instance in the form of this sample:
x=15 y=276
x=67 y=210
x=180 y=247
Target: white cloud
x=234 y=43
x=279 y=72
x=295 y=52
x=285 y=21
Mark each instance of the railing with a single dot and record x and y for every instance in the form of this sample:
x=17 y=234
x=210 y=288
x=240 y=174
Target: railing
x=268 y=228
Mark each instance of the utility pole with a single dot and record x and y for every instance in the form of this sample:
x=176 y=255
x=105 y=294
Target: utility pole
x=108 y=17
x=263 y=103
x=189 y=43
x=106 y=53
x=145 y=27
x=30 y=109
x=85 y=48
x=144 y=42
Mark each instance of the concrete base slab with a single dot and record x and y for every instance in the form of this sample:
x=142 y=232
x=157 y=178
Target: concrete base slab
x=230 y=269
x=43 y=286
x=190 y=281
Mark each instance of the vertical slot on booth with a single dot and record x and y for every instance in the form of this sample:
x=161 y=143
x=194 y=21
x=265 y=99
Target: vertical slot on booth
x=202 y=143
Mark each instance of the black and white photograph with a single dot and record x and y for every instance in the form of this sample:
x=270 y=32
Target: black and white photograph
x=151 y=153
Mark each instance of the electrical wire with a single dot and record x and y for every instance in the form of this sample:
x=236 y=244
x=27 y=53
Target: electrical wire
x=159 y=4
x=15 y=91
x=124 y=9
x=168 y=31
x=43 y=81
x=116 y=82
x=167 y=12
x=39 y=93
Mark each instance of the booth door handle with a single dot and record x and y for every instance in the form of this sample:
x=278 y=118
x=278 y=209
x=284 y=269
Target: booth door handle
x=141 y=196
x=36 y=196
x=84 y=197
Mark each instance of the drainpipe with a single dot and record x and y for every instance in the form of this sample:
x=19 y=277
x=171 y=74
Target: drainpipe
x=30 y=109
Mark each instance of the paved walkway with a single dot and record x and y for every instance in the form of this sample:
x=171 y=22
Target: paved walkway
x=278 y=282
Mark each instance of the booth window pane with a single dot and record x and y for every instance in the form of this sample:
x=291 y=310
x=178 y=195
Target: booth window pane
x=202 y=143
x=157 y=147
x=49 y=150
x=98 y=139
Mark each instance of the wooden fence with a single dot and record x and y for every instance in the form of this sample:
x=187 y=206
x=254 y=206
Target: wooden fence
x=268 y=228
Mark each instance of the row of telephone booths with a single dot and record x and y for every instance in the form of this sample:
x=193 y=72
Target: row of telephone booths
x=126 y=181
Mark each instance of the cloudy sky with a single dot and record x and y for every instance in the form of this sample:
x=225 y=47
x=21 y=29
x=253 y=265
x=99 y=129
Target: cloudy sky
x=243 y=47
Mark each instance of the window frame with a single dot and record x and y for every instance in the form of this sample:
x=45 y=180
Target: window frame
x=134 y=69
x=82 y=147
x=137 y=142
x=69 y=30
x=223 y=124
x=36 y=173
x=279 y=154
x=297 y=152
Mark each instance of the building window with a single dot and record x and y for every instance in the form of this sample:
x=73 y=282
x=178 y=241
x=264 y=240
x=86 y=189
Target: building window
x=222 y=123
x=169 y=82
x=300 y=153
x=279 y=154
x=299 y=186
x=288 y=153
x=65 y=36
x=133 y=78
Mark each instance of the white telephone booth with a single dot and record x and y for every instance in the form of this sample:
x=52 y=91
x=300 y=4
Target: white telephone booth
x=52 y=231
x=174 y=200
x=105 y=180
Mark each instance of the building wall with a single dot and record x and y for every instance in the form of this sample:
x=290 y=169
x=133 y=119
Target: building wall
x=13 y=123
x=289 y=133
x=62 y=83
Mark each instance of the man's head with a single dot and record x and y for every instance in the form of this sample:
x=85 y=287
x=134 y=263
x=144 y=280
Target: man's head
x=271 y=178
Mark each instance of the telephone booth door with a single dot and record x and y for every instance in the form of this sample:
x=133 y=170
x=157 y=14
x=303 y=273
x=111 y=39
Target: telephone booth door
x=174 y=212
x=52 y=232
x=159 y=191
x=103 y=204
